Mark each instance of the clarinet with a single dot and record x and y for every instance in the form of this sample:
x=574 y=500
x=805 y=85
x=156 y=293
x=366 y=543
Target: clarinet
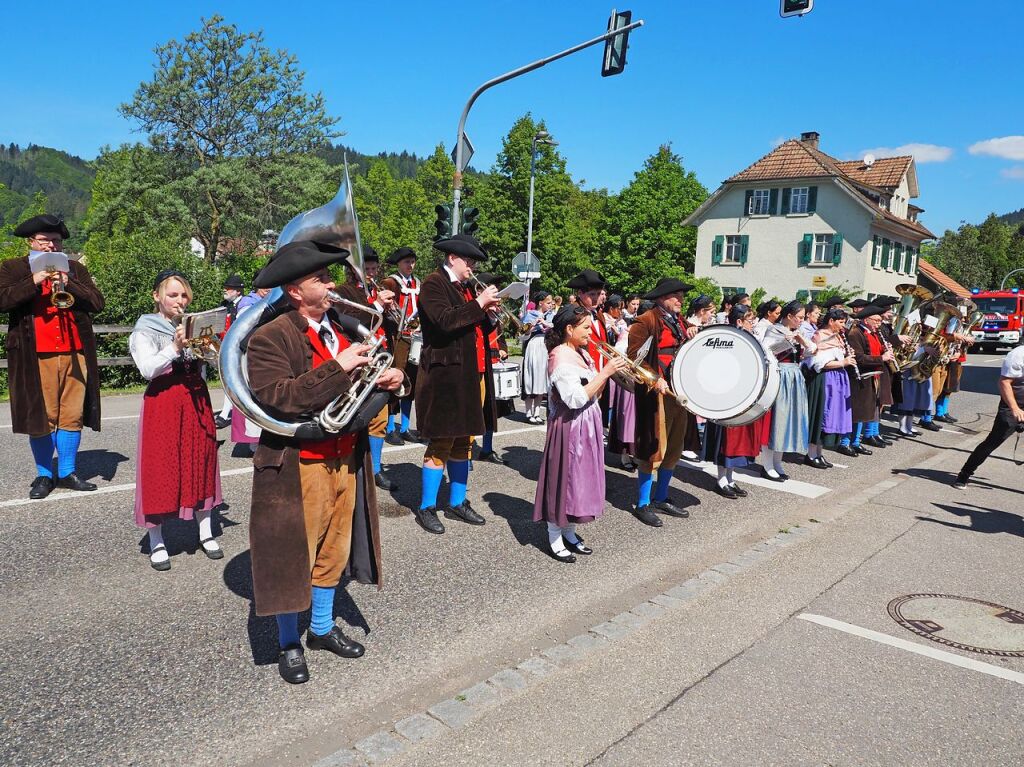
x=893 y=367
x=850 y=353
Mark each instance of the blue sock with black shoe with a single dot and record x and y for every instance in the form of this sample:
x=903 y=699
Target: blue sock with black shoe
x=321 y=617
x=644 y=482
x=858 y=429
x=406 y=408
x=67 y=451
x=871 y=429
x=42 y=454
x=661 y=493
x=287 y=629
x=431 y=483
x=391 y=423
x=376 y=448
x=458 y=476
x=942 y=406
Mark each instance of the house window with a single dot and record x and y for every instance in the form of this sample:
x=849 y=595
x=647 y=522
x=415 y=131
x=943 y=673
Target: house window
x=733 y=248
x=798 y=200
x=876 y=251
x=760 y=203
x=822 y=249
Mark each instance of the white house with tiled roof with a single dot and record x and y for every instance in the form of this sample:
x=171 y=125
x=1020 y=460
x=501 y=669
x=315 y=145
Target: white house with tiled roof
x=798 y=221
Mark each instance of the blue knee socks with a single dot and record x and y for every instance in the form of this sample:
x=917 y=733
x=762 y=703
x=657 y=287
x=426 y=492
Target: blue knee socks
x=458 y=476
x=391 y=422
x=942 y=406
x=67 y=450
x=488 y=442
x=664 y=477
x=321 y=619
x=42 y=453
x=431 y=483
x=644 y=482
x=287 y=629
x=376 y=447
x=406 y=407
x=858 y=428
x=871 y=429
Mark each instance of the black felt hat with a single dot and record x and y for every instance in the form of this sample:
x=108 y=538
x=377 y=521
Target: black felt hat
x=834 y=301
x=857 y=303
x=588 y=279
x=401 y=253
x=666 y=286
x=885 y=301
x=297 y=259
x=462 y=245
x=370 y=254
x=47 y=222
x=869 y=311
x=234 y=281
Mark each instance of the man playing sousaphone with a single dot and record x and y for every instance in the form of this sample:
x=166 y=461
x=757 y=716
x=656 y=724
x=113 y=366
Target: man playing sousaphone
x=455 y=391
x=314 y=508
x=661 y=422
x=406 y=287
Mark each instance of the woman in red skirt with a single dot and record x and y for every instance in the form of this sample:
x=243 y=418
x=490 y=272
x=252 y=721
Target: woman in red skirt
x=177 y=473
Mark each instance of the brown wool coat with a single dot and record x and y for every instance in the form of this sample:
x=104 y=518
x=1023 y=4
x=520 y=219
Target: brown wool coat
x=283 y=380
x=448 y=384
x=17 y=292
x=867 y=394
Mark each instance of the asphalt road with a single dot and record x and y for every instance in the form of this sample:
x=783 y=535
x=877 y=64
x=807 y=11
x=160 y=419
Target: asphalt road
x=106 y=661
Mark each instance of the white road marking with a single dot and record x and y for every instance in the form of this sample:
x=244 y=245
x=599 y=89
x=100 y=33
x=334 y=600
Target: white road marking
x=929 y=652
x=793 y=486
x=106 y=418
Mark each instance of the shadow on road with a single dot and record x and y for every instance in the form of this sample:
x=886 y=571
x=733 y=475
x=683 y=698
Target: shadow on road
x=98 y=463
x=947 y=477
x=980 y=519
x=518 y=512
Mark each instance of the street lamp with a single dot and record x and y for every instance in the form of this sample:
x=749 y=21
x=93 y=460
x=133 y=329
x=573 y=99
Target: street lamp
x=542 y=137
x=1002 y=285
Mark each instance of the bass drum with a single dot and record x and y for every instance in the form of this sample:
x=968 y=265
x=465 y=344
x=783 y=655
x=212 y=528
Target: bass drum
x=725 y=375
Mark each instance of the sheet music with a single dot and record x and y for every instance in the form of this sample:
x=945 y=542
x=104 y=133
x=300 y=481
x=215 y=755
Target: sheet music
x=41 y=261
x=206 y=323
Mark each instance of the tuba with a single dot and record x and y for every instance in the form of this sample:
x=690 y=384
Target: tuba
x=337 y=224
x=937 y=336
x=911 y=298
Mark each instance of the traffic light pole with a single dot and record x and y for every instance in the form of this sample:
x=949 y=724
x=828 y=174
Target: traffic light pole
x=504 y=78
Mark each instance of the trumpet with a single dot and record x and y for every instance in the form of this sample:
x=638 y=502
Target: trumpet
x=634 y=373
x=393 y=312
x=59 y=296
x=502 y=314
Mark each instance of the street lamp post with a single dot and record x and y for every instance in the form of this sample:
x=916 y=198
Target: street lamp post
x=542 y=137
x=1002 y=285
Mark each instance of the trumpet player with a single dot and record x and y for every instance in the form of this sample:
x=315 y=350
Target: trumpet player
x=661 y=422
x=454 y=391
x=497 y=349
x=314 y=508
x=53 y=375
x=406 y=287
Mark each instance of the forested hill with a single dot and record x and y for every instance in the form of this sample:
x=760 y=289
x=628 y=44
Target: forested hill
x=1017 y=217
x=66 y=181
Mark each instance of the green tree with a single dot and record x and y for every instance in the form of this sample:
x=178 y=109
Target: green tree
x=229 y=112
x=959 y=255
x=644 y=237
x=392 y=213
x=15 y=247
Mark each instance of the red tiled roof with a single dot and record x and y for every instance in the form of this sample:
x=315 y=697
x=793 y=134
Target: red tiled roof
x=885 y=173
x=791 y=159
x=943 y=280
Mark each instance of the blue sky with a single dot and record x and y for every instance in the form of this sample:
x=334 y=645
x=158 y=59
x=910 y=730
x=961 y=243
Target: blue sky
x=722 y=81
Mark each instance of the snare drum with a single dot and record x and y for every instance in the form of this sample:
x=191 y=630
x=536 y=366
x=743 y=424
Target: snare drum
x=415 y=347
x=725 y=375
x=508 y=380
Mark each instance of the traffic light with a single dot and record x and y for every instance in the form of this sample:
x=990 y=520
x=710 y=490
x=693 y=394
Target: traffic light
x=795 y=7
x=469 y=224
x=615 y=47
x=443 y=224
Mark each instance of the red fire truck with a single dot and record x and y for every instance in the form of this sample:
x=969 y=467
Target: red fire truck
x=1004 y=311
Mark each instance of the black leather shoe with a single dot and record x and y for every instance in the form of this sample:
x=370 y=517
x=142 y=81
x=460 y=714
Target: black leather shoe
x=779 y=478
x=464 y=512
x=578 y=547
x=863 y=450
x=875 y=442
x=336 y=642
x=411 y=436
x=384 y=483
x=738 y=490
x=667 y=507
x=394 y=438
x=847 y=451
x=291 y=665
x=562 y=556
x=40 y=488
x=646 y=515
x=428 y=520
x=491 y=457
x=726 y=492
x=221 y=423
x=946 y=418
x=217 y=553
x=825 y=462
x=929 y=425
x=814 y=463
x=72 y=482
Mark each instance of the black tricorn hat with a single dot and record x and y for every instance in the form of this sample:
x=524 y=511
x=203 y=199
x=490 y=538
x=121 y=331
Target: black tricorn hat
x=885 y=301
x=588 y=279
x=666 y=286
x=857 y=303
x=370 y=254
x=297 y=259
x=234 y=281
x=869 y=311
x=462 y=245
x=47 y=222
x=834 y=301
x=401 y=253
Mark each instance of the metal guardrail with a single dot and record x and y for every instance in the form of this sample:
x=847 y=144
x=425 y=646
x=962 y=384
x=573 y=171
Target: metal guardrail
x=98 y=330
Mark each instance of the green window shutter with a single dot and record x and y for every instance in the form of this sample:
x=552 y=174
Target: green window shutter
x=785 y=202
x=804 y=249
x=876 y=246
x=801 y=295
x=912 y=262
x=897 y=256
x=744 y=242
x=812 y=199
x=885 y=252
x=773 y=199
x=747 y=197
x=837 y=249
x=716 y=250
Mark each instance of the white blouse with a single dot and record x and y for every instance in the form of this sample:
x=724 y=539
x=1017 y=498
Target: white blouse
x=569 y=379
x=824 y=356
x=150 y=357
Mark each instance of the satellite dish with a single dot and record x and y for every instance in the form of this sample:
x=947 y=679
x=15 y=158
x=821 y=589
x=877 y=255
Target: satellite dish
x=869 y=159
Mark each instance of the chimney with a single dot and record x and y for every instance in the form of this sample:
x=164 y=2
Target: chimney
x=810 y=137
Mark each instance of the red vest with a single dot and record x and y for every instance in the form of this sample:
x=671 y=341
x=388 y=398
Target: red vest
x=55 y=328
x=598 y=332
x=668 y=345
x=481 y=347
x=875 y=346
x=407 y=303
x=338 y=446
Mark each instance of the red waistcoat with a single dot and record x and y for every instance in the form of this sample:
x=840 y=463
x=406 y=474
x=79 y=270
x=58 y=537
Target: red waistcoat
x=341 y=445
x=55 y=329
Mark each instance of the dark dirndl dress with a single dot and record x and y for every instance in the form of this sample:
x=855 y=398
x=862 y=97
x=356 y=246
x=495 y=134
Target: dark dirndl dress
x=815 y=405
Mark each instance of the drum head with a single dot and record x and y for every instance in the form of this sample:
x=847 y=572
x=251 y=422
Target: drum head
x=721 y=372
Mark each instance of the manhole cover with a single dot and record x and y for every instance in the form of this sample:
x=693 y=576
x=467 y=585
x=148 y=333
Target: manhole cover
x=962 y=622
